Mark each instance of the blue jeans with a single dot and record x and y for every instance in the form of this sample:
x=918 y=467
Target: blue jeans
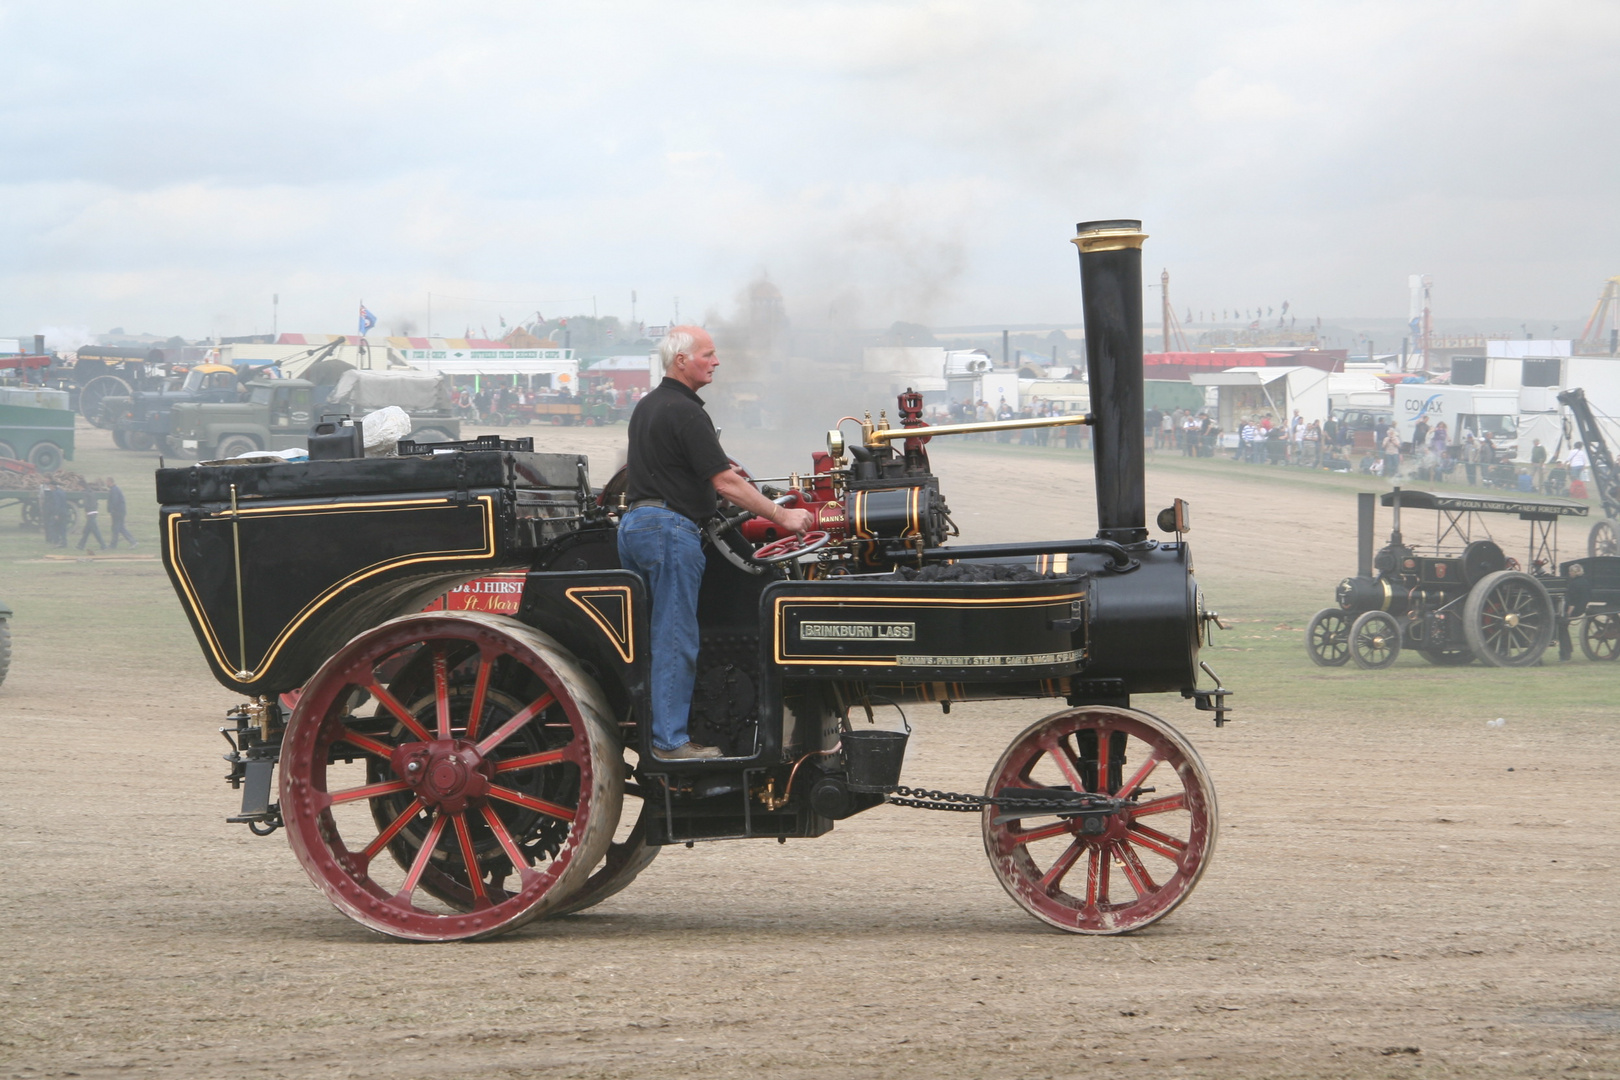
x=666 y=549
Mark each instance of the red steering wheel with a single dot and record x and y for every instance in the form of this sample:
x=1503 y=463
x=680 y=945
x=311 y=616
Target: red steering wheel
x=792 y=546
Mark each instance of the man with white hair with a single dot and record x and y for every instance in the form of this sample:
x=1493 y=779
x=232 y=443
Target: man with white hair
x=677 y=473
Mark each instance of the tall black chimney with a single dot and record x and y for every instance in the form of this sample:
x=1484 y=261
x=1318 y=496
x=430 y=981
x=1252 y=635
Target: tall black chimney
x=1111 y=296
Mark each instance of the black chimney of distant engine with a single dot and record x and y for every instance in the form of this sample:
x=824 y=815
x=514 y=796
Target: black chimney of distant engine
x=1111 y=296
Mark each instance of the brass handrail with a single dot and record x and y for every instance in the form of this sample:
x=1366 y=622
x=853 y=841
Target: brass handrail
x=882 y=436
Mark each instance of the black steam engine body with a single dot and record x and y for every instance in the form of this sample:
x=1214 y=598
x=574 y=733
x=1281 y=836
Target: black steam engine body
x=453 y=775
x=1463 y=597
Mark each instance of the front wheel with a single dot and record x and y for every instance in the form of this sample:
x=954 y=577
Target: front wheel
x=1375 y=640
x=1600 y=636
x=1327 y=638
x=471 y=750
x=1120 y=872
x=233 y=446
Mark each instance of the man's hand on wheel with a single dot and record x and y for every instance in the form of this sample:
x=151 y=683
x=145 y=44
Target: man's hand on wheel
x=799 y=521
x=734 y=487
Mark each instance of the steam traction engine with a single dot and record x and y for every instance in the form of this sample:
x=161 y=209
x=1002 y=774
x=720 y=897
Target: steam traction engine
x=1463 y=598
x=453 y=775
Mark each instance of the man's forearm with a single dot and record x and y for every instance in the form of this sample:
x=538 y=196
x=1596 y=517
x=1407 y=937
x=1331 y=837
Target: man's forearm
x=740 y=492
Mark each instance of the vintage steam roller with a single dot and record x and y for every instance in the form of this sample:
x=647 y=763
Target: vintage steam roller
x=454 y=775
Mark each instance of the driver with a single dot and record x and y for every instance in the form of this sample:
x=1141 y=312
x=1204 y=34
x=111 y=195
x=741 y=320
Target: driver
x=676 y=471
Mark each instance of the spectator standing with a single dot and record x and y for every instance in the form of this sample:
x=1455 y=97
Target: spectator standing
x=1191 y=429
x=1470 y=457
x=53 y=513
x=117 y=508
x=1538 y=463
x=1248 y=438
x=1392 y=454
x=1577 y=462
x=1420 y=434
x=1313 y=445
x=92 y=527
x=1437 y=441
x=1299 y=440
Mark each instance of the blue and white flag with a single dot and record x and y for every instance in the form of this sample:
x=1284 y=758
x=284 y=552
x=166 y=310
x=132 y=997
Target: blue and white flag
x=367 y=319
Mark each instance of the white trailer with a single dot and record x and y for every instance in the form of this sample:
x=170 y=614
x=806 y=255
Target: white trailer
x=1463 y=408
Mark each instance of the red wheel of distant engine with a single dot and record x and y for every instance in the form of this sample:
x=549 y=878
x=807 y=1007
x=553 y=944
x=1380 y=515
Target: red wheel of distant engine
x=468 y=748
x=1144 y=861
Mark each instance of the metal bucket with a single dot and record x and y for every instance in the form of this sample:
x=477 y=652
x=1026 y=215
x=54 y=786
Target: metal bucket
x=874 y=756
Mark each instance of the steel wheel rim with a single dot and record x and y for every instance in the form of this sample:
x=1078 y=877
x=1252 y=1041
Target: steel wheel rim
x=1327 y=639
x=1602 y=540
x=1175 y=842
x=1511 y=621
x=624 y=861
x=1600 y=637
x=460 y=808
x=1375 y=648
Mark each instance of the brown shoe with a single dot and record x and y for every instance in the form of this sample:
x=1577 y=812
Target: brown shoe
x=688 y=752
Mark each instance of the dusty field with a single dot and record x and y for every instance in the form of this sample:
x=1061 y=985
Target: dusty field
x=1398 y=889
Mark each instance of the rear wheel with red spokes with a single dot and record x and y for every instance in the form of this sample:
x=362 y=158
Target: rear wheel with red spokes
x=469 y=749
x=1123 y=871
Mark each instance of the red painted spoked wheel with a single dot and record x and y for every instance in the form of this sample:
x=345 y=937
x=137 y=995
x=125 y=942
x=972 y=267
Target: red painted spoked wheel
x=1142 y=861
x=470 y=749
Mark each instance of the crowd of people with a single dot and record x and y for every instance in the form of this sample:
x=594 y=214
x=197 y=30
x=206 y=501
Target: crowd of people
x=56 y=515
x=969 y=411
x=498 y=404
x=1432 y=455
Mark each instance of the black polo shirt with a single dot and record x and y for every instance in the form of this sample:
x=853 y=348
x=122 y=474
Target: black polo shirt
x=674 y=451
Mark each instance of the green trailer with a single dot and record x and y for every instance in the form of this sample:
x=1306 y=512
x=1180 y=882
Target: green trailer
x=36 y=426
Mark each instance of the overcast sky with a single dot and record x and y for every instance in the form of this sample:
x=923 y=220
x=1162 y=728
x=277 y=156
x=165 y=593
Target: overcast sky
x=169 y=166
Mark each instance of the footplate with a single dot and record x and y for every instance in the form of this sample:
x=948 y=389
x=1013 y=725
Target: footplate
x=255 y=741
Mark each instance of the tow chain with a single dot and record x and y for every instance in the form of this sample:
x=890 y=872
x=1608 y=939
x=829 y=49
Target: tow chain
x=1061 y=801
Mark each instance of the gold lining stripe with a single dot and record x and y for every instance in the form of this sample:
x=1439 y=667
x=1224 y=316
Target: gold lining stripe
x=625 y=643
x=327 y=508
x=486 y=502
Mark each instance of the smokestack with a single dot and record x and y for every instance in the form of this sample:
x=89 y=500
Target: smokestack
x=39 y=344
x=1366 y=508
x=1111 y=296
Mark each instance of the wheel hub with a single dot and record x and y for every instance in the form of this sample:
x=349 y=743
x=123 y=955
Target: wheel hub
x=447 y=774
x=1511 y=619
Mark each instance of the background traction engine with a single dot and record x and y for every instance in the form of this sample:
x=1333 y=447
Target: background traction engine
x=1463 y=598
x=454 y=775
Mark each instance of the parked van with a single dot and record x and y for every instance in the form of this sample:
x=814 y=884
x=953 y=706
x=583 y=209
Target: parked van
x=1463 y=408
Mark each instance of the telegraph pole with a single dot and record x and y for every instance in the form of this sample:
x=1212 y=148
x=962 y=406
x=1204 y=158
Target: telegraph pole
x=1164 y=311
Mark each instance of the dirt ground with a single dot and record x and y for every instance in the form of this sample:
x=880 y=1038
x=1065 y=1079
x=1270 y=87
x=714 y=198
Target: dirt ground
x=1398 y=890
